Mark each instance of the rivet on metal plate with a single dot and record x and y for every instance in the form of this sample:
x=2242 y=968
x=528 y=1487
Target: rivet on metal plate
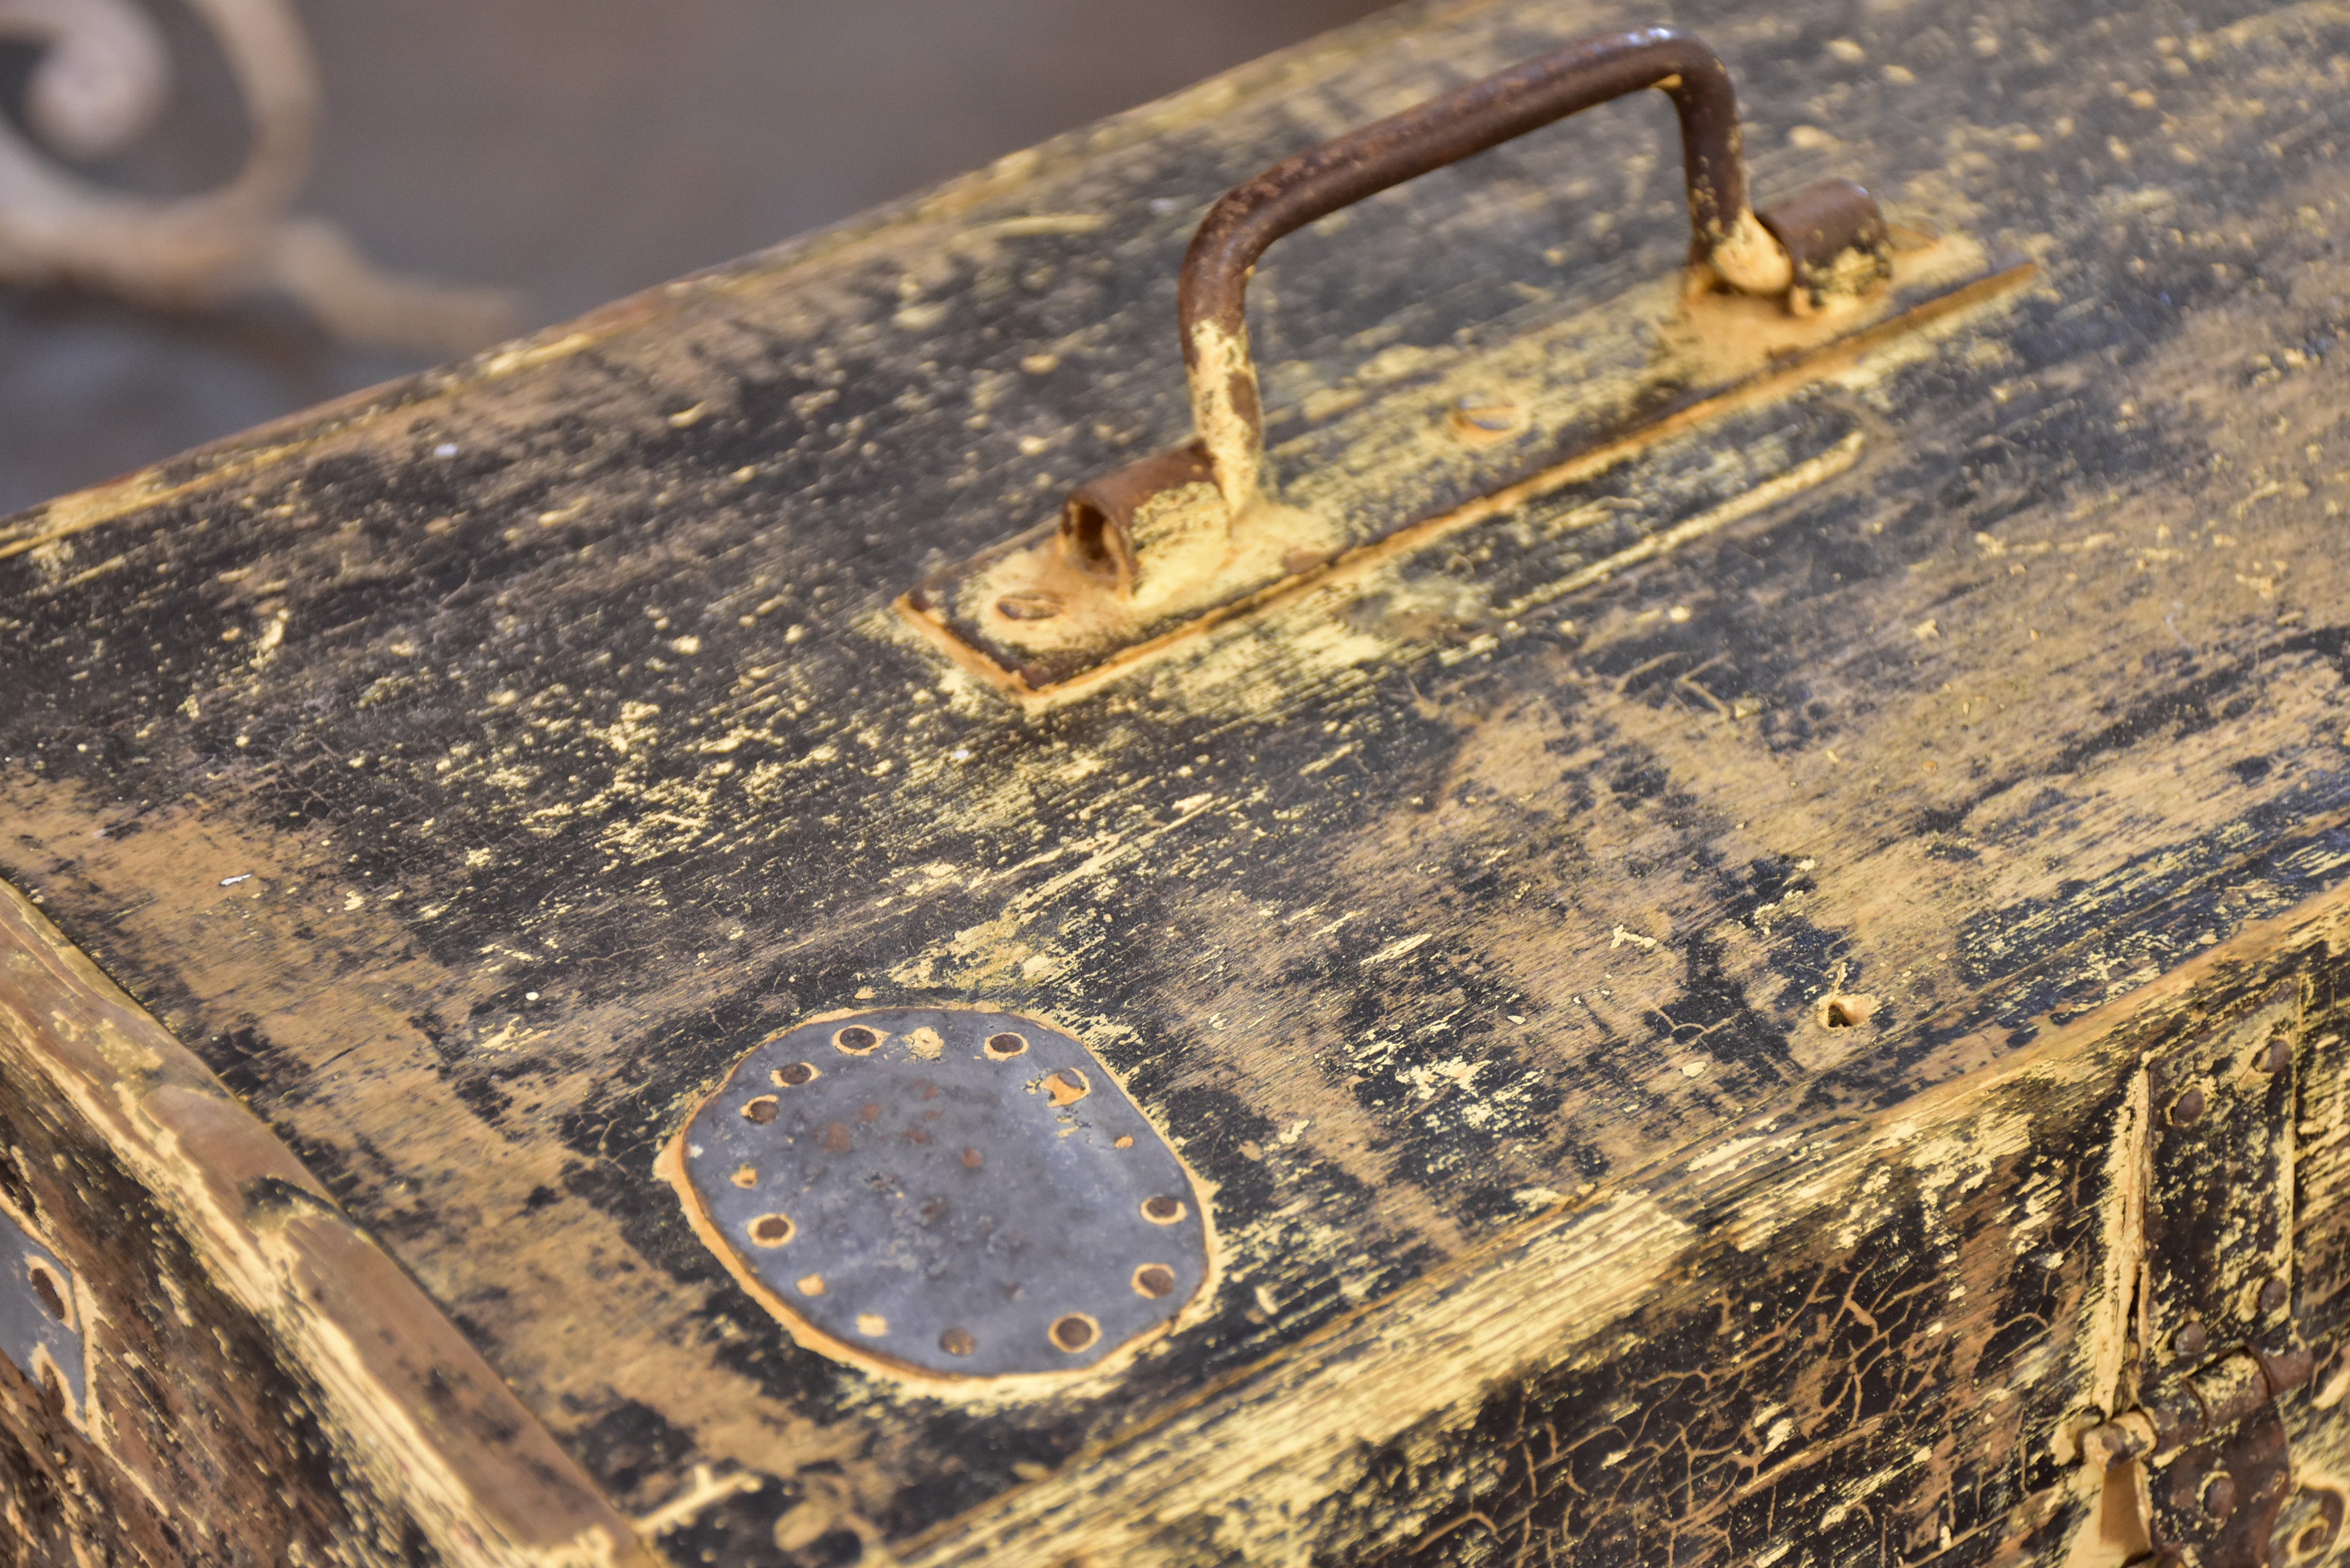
x=954 y=1193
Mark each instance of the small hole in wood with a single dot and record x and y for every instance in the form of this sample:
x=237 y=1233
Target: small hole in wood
x=1846 y=1010
x=793 y=1076
x=772 y=1230
x=1156 y=1281
x=1066 y=1087
x=857 y=1040
x=1028 y=607
x=958 y=1342
x=1085 y=530
x=973 y=1158
x=744 y=1175
x=45 y=1286
x=1162 y=1209
x=761 y=1110
x=1074 y=1331
x=1006 y=1046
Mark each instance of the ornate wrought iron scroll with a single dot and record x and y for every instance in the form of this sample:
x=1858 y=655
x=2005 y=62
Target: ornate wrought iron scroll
x=102 y=79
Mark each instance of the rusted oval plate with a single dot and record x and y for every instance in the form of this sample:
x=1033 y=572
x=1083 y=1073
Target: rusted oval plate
x=956 y=1192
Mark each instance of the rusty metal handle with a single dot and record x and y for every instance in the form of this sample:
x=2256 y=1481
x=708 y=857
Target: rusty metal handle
x=1227 y=419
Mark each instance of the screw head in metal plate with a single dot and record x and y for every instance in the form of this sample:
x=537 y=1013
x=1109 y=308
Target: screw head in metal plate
x=952 y=1192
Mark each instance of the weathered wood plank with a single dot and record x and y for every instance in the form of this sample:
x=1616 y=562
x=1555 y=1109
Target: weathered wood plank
x=470 y=778
x=268 y=1387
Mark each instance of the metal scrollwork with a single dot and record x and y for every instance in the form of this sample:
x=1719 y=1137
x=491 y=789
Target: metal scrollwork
x=102 y=79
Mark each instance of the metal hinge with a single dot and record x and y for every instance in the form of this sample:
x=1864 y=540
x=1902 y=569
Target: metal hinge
x=2203 y=1446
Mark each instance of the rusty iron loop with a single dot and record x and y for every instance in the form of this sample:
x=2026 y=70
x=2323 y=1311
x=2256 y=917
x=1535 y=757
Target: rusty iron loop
x=1228 y=420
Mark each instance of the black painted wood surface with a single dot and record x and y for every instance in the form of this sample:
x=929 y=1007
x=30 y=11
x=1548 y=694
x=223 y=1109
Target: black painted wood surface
x=472 y=773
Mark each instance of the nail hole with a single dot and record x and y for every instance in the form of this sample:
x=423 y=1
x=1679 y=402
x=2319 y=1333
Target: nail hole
x=761 y=1110
x=1085 y=528
x=772 y=1230
x=1478 y=419
x=745 y=1177
x=1074 y=1331
x=1847 y=1011
x=1028 y=607
x=793 y=1076
x=1006 y=1045
x=45 y=1285
x=1066 y=1087
x=1156 y=1281
x=1162 y=1209
x=857 y=1040
x=872 y=1325
x=958 y=1342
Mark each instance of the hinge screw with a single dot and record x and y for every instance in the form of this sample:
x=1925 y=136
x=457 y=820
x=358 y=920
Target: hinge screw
x=2272 y=1295
x=2220 y=1496
x=2277 y=1058
x=2190 y=1339
x=2186 y=1107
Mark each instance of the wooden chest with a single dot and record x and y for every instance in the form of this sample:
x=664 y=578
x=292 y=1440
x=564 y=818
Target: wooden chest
x=1707 y=927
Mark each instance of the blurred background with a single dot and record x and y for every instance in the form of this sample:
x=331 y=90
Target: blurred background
x=569 y=150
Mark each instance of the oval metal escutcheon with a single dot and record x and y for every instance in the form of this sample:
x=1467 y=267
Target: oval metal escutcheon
x=949 y=1191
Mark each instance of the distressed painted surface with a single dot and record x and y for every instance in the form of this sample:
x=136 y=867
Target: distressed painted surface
x=264 y=1386
x=471 y=778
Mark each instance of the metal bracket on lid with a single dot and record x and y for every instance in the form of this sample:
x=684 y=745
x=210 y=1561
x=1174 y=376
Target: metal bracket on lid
x=1197 y=533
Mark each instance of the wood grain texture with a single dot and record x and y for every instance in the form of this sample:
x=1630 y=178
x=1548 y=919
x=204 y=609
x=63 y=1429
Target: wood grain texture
x=271 y=1388
x=472 y=774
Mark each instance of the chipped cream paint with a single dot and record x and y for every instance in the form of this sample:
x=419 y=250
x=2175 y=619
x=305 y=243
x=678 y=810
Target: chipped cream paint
x=176 y=1133
x=437 y=1132
x=1222 y=377
x=1246 y=1472
x=1462 y=1329
x=1230 y=563
x=1749 y=260
x=1795 y=803
x=1526 y=1300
